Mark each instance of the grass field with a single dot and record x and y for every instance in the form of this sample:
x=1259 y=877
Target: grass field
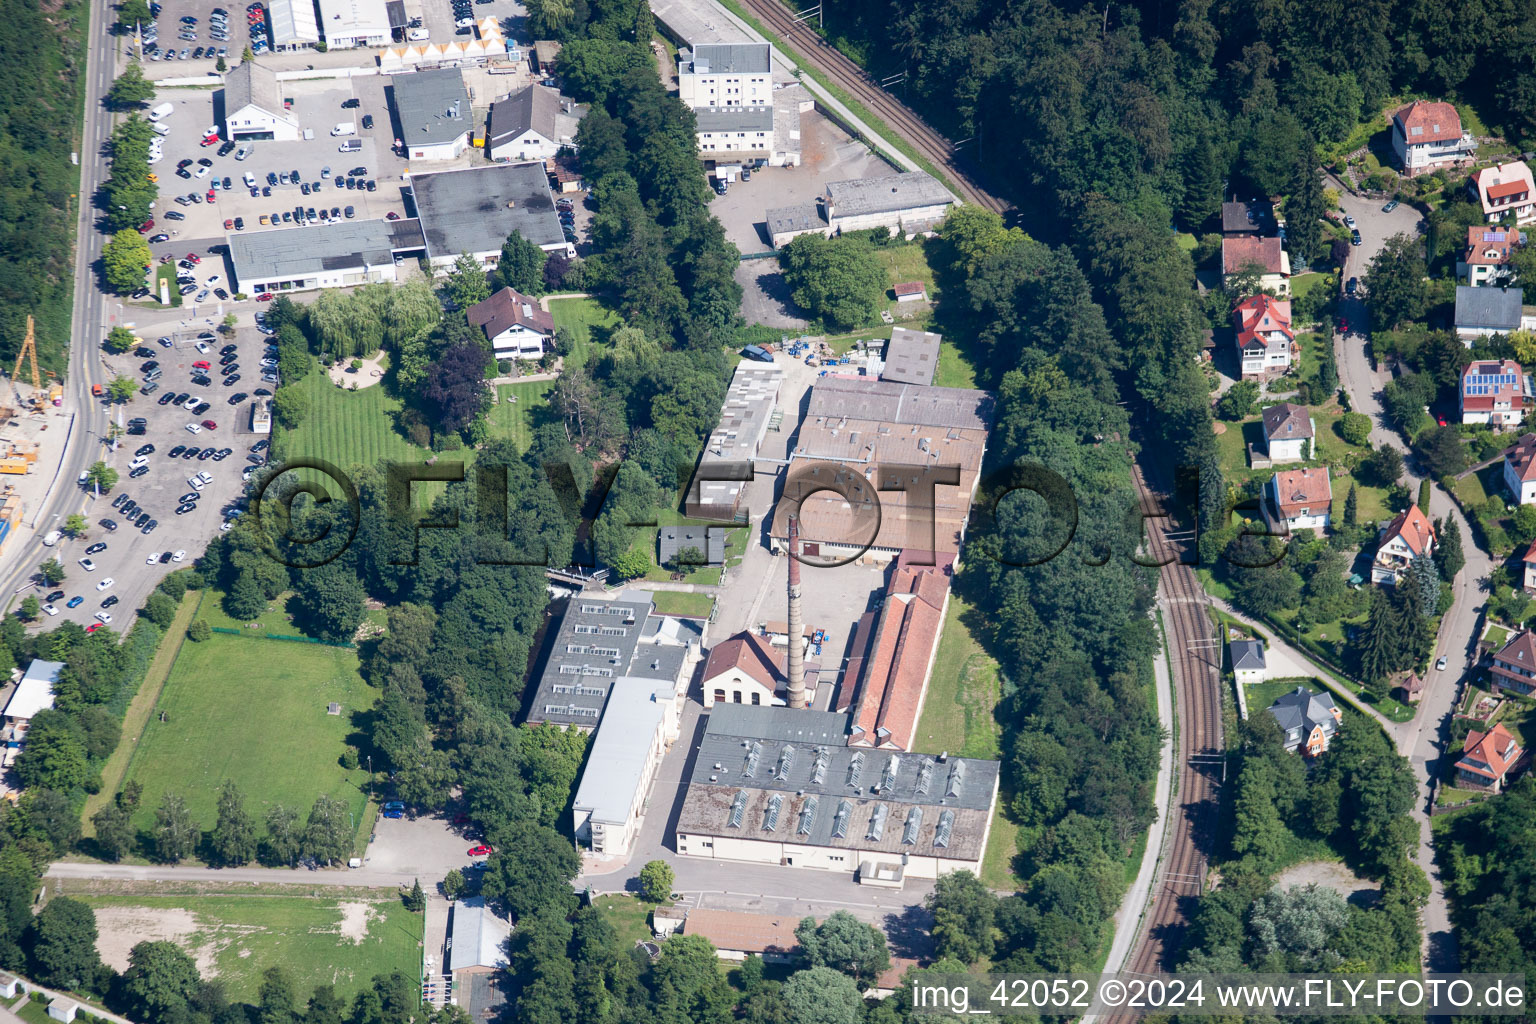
x=580 y=317
x=516 y=419
x=167 y=274
x=343 y=940
x=962 y=695
x=254 y=710
x=906 y=263
x=349 y=428
x=955 y=371
x=629 y=916
x=677 y=602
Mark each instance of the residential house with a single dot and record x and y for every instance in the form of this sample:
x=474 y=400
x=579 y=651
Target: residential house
x=1494 y=391
x=1409 y=535
x=1506 y=191
x=1266 y=343
x=746 y=669
x=1529 y=562
x=1248 y=664
x=1484 y=312
x=1486 y=759
x=515 y=325
x=1307 y=720
x=1520 y=470
x=254 y=108
x=1427 y=135
x=1486 y=261
x=737 y=934
x=528 y=125
x=1246 y=218
x=1514 y=665
x=1299 y=499
x=1267 y=256
x=1289 y=431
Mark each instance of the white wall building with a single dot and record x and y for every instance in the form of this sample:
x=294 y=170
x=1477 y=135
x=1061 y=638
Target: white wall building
x=1248 y=665
x=335 y=255
x=434 y=113
x=627 y=749
x=253 y=106
x=293 y=24
x=474 y=209
x=901 y=203
x=725 y=75
x=1520 y=470
x=349 y=23
x=1427 y=135
x=529 y=125
x=514 y=324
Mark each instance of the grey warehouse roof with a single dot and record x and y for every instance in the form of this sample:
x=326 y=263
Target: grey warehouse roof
x=1488 y=308
x=779 y=774
x=479 y=936
x=897 y=403
x=433 y=106
x=795 y=218
x=475 y=209
x=300 y=252
x=888 y=194
x=734 y=119
x=911 y=357
x=617 y=757
x=731 y=59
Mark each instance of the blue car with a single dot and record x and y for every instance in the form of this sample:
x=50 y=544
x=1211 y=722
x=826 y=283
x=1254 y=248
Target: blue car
x=394 y=809
x=76 y=601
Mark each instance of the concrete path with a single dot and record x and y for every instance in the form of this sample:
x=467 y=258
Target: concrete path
x=364 y=876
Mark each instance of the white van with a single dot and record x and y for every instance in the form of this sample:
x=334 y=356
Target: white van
x=52 y=538
x=161 y=112
x=161 y=130
x=344 y=128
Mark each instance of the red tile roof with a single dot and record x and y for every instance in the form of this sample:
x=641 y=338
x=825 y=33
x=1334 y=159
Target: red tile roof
x=507 y=309
x=1522 y=458
x=1490 y=247
x=1239 y=252
x=751 y=654
x=1478 y=394
x=1258 y=315
x=896 y=668
x=1425 y=121
x=1530 y=554
x=743 y=932
x=909 y=288
x=1489 y=754
x=1502 y=185
x=1296 y=489
x=1413 y=526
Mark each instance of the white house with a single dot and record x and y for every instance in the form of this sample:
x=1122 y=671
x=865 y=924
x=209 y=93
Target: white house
x=1505 y=190
x=527 y=126
x=1484 y=312
x=1428 y=135
x=1486 y=259
x=743 y=669
x=348 y=23
x=1494 y=391
x=725 y=75
x=253 y=106
x=514 y=324
x=1266 y=342
x=1248 y=665
x=1520 y=470
x=1289 y=431
x=1299 y=499
x=1528 y=560
x=1409 y=535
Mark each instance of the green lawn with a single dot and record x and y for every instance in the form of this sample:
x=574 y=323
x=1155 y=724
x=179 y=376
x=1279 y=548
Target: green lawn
x=1002 y=847
x=677 y=602
x=1496 y=635
x=349 y=428
x=516 y=419
x=630 y=917
x=254 y=710
x=962 y=694
x=167 y=274
x=955 y=371
x=906 y=263
x=580 y=316
x=343 y=940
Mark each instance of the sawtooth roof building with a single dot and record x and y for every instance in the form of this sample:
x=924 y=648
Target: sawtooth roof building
x=778 y=786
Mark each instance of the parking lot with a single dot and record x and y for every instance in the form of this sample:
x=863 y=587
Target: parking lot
x=158 y=491
x=169 y=29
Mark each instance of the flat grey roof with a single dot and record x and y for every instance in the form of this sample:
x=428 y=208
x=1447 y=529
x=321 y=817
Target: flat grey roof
x=911 y=357
x=750 y=399
x=731 y=59
x=709 y=541
x=475 y=209
x=594 y=645
x=897 y=403
x=299 y=252
x=1489 y=308
x=795 y=218
x=479 y=936
x=433 y=106
x=395 y=9
x=734 y=119
x=887 y=194
x=616 y=760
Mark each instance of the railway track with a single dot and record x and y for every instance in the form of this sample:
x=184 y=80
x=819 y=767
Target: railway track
x=1196 y=664
x=830 y=61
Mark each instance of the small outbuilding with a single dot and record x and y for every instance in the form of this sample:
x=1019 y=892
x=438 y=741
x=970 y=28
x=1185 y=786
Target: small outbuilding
x=1248 y=664
x=709 y=543
x=63 y=1010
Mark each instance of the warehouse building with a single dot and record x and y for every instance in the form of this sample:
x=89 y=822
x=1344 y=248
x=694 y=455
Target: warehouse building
x=335 y=255
x=433 y=110
x=474 y=209
x=911 y=356
x=640 y=723
x=479 y=943
x=293 y=25
x=349 y=23
x=720 y=480
x=725 y=75
x=781 y=786
x=254 y=108
x=902 y=203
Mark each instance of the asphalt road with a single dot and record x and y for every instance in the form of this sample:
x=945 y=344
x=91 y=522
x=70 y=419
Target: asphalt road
x=86 y=437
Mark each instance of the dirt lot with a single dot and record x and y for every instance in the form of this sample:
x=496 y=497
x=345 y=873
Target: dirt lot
x=122 y=928
x=1330 y=875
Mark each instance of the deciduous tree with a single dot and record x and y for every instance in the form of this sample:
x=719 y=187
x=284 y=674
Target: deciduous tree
x=521 y=266
x=175 y=834
x=124 y=260
x=656 y=881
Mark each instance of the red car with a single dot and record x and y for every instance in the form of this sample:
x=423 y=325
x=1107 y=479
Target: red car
x=264 y=297
x=210 y=424
x=229 y=224
x=1343 y=326
x=192 y=257
x=201 y=364
x=147 y=226
x=93 y=627
x=480 y=851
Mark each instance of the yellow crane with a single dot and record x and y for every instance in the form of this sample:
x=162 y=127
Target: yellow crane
x=29 y=351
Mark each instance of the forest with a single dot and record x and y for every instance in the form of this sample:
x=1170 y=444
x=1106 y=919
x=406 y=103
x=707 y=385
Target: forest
x=39 y=127
x=1488 y=879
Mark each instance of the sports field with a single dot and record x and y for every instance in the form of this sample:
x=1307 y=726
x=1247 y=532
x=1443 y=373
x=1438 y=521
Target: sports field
x=338 y=939
x=254 y=710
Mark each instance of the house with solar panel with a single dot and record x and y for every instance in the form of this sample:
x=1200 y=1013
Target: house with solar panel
x=772 y=785
x=1494 y=391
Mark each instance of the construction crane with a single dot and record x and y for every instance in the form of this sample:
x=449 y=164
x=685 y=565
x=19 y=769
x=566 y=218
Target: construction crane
x=29 y=350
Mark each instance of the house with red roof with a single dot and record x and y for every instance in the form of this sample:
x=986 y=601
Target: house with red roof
x=1506 y=191
x=747 y=669
x=896 y=668
x=1427 y=135
x=1514 y=665
x=1299 y=499
x=514 y=324
x=1486 y=259
x=1266 y=342
x=1520 y=470
x=1409 y=535
x=1486 y=758
x=1494 y=391
x=1266 y=256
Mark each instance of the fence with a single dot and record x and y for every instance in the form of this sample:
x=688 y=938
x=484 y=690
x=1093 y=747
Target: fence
x=285 y=636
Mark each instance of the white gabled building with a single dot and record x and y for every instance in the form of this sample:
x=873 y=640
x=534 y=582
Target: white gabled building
x=253 y=106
